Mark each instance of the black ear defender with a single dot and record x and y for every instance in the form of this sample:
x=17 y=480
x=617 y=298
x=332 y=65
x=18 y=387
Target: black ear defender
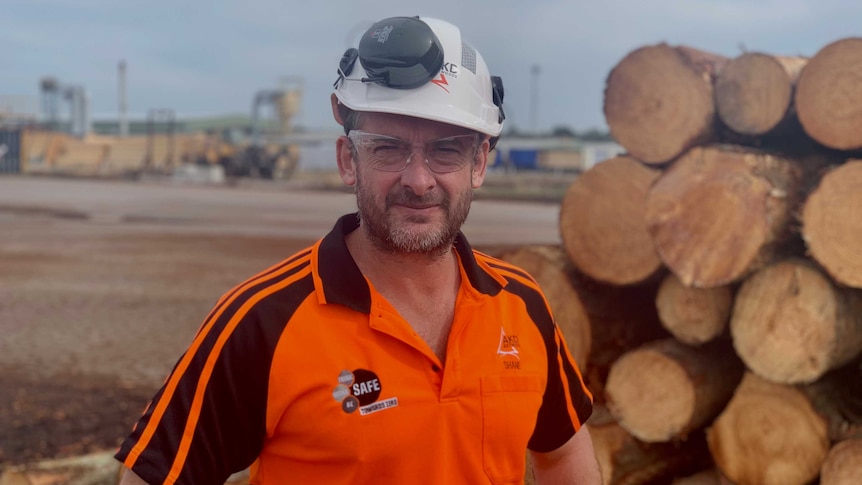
x=400 y=53
x=345 y=65
x=497 y=89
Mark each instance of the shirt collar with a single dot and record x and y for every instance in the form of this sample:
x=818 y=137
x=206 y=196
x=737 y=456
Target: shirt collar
x=339 y=280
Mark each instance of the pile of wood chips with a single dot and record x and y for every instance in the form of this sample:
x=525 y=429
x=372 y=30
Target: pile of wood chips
x=709 y=279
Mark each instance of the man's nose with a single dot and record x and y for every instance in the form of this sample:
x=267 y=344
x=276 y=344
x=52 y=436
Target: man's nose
x=417 y=174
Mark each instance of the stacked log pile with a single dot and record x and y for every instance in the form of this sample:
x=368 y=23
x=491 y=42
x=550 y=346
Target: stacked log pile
x=718 y=266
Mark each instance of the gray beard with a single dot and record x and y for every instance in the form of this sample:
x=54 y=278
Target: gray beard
x=387 y=237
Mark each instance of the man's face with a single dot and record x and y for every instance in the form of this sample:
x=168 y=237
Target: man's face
x=414 y=211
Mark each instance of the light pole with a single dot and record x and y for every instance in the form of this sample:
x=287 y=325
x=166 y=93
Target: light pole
x=534 y=70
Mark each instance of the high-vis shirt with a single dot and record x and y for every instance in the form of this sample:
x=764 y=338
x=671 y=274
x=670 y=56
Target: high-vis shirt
x=307 y=374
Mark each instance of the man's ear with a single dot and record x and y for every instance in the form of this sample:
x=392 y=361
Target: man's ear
x=480 y=165
x=346 y=164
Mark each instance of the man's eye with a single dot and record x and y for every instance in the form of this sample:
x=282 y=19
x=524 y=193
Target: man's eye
x=383 y=147
x=448 y=148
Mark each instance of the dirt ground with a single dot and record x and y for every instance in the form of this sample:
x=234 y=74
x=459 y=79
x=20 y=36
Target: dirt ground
x=96 y=308
x=76 y=298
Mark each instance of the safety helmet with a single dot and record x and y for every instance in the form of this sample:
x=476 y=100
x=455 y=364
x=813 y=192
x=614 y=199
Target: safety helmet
x=419 y=66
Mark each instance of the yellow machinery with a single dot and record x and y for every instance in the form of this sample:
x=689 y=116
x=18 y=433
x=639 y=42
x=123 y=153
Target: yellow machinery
x=258 y=153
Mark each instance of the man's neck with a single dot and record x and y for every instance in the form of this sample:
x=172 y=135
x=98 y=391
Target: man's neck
x=403 y=273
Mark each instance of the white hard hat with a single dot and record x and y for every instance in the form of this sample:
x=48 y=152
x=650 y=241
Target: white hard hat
x=420 y=67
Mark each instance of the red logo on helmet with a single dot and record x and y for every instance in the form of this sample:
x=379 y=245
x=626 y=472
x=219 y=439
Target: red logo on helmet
x=442 y=82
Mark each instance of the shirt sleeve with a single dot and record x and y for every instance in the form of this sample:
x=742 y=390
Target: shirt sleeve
x=567 y=403
x=208 y=420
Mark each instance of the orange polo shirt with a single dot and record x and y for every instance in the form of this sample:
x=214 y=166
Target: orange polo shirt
x=308 y=375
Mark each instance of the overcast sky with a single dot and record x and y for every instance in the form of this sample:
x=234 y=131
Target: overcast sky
x=210 y=57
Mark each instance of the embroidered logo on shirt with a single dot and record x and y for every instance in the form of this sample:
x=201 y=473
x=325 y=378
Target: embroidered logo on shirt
x=360 y=390
x=508 y=345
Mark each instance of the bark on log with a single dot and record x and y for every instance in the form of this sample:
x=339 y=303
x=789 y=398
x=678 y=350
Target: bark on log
x=548 y=265
x=693 y=315
x=841 y=466
x=754 y=92
x=665 y=390
x=625 y=460
x=721 y=212
x=838 y=397
x=705 y=477
x=658 y=101
x=791 y=324
x=602 y=222
x=769 y=434
x=832 y=223
x=828 y=99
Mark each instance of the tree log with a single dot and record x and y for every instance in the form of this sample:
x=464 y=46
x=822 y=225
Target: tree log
x=832 y=223
x=754 y=92
x=658 y=101
x=548 y=265
x=616 y=328
x=602 y=222
x=791 y=325
x=625 y=460
x=841 y=466
x=665 y=390
x=828 y=99
x=721 y=212
x=769 y=434
x=693 y=315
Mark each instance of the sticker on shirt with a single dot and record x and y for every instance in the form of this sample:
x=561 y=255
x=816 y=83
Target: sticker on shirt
x=360 y=390
x=508 y=350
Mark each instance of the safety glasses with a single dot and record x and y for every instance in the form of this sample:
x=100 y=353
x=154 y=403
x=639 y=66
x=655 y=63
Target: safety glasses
x=391 y=154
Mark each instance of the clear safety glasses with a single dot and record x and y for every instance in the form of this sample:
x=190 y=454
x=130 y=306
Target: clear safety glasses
x=391 y=154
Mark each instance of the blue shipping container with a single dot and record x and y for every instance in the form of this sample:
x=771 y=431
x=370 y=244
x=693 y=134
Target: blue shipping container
x=524 y=159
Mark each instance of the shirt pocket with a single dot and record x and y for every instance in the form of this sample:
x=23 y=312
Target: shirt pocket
x=510 y=404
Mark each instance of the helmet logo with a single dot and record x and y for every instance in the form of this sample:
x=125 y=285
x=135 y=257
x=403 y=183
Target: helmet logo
x=441 y=81
x=382 y=35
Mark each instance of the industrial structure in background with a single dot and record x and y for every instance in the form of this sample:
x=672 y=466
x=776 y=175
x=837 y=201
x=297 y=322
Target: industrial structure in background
x=263 y=149
x=61 y=137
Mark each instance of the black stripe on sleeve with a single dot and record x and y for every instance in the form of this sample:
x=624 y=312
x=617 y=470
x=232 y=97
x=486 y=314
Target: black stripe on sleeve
x=239 y=379
x=553 y=425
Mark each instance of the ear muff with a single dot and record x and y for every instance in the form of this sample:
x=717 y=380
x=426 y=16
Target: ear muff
x=400 y=53
x=497 y=88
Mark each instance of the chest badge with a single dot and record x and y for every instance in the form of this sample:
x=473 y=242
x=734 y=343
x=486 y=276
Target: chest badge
x=360 y=389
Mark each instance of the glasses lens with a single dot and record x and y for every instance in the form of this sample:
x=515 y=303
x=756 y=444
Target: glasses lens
x=450 y=154
x=381 y=152
x=390 y=154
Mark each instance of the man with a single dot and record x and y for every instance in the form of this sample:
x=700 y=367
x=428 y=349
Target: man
x=389 y=351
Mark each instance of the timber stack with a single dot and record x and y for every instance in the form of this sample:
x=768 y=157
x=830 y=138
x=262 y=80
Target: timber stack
x=717 y=268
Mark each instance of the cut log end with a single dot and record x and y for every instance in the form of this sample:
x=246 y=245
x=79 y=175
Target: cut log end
x=828 y=99
x=715 y=215
x=693 y=315
x=841 y=466
x=659 y=101
x=768 y=434
x=650 y=377
x=664 y=390
x=753 y=93
x=602 y=222
x=832 y=223
x=791 y=325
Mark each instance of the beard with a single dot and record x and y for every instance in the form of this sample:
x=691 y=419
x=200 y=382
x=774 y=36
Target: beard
x=417 y=235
